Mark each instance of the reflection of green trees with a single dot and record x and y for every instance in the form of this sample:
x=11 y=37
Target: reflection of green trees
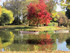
x=0 y=44
x=21 y=47
x=29 y=47
x=26 y=36
x=62 y=37
x=24 y=46
x=6 y=37
x=68 y=46
x=68 y=43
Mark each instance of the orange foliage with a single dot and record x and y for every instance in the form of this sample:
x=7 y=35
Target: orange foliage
x=47 y=36
x=46 y=42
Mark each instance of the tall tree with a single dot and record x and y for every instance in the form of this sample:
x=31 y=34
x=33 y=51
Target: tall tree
x=37 y=13
x=25 y=11
x=15 y=6
x=51 y=4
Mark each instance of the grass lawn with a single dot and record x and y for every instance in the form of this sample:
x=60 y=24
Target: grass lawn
x=30 y=28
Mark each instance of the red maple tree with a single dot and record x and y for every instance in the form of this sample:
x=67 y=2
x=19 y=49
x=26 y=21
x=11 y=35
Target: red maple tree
x=37 y=13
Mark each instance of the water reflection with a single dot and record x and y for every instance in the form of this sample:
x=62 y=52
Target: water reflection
x=6 y=39
x=62 y=46
x=68 y=43
x=46 y=44
x=61 y=41
x=17 y=41
x=63 y=37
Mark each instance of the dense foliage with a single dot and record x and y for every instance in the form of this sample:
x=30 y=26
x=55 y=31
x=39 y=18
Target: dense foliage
x=6 y=17
x=0 y=10
x=6 y=38
x=37 y=13
x=68 y=13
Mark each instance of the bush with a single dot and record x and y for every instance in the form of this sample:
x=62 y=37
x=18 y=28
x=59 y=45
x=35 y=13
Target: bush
x=53 y=24
x=6 y=17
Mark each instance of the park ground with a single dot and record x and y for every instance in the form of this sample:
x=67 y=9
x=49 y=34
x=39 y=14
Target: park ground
x=31 y=28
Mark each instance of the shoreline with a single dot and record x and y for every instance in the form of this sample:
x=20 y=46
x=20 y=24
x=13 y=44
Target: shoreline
x=31 y=28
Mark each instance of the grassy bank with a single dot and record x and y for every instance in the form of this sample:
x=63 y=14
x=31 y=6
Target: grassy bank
x=30 y=28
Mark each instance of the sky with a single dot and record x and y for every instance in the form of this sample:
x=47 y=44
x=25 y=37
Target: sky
x=1 y=2
x=58 y=6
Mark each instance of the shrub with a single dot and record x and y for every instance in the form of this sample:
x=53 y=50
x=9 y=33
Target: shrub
x=6 y=17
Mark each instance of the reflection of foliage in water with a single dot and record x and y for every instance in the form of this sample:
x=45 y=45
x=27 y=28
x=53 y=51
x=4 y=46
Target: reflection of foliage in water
x=23 y=42
x=62 y=37
x=0 y=44
x=22 y=38
x=6 y=38
x=46 y=44
x=21 y=47
x=19 y=36
x=68 y=43
x=68 y=46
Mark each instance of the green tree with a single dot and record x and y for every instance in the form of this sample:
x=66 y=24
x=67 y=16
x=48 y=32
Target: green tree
x=68 y=11
x=64 y=4
x=67 y=6
x=6 y=17
x=62 y=20
x=51 y=4
x=16 y=6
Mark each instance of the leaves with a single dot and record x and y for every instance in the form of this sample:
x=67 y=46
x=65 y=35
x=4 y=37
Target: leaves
x=0 y=11
x=38 y=12
x=6 y=17
x=47 y=36
x=46 y=41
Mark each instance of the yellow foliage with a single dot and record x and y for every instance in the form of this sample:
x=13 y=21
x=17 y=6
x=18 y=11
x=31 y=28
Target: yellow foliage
x=55 y=15
x=63 y=12
x=9 y=13
x=63 y=4
x=68 y=6
x=10 y=41
x=36 y=47
x=0 y=44
x=0 y=11
x=31 y=1
x=68 y=1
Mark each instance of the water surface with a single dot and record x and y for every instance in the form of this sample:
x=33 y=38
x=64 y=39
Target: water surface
x=17 y=41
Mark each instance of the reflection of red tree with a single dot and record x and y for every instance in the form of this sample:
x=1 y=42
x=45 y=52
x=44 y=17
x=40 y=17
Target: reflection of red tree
x=46 y=42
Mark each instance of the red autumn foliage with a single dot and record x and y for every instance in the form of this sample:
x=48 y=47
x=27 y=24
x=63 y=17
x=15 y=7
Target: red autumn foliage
x=37 y=12
x=46 y=42
x=47 y=36
x=46 y=39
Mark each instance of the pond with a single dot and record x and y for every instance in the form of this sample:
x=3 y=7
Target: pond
x=34 y=41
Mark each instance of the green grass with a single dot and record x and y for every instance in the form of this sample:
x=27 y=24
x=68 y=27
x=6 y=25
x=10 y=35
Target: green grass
x=30 y=28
